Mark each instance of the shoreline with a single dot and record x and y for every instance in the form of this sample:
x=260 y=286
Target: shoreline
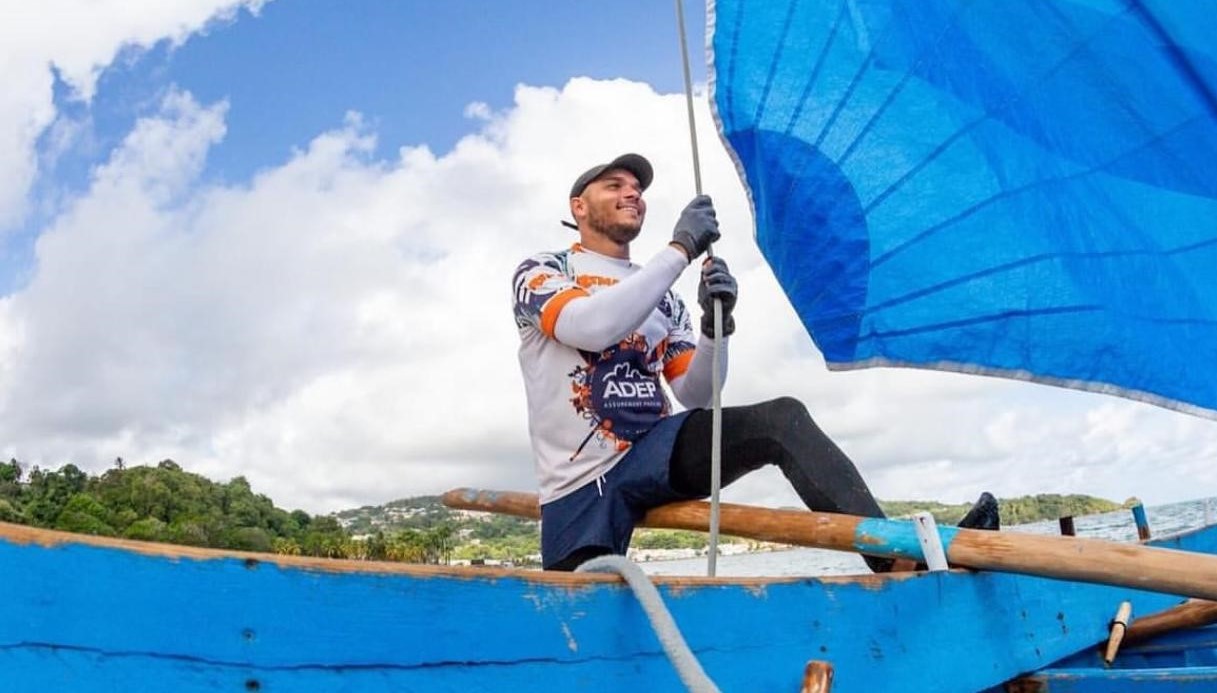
x=728 y=549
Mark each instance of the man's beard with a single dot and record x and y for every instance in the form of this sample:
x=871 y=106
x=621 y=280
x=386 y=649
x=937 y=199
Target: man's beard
x=620 y=233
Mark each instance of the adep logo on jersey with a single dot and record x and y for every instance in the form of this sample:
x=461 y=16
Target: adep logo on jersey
x=625 y=398
x=628 y=382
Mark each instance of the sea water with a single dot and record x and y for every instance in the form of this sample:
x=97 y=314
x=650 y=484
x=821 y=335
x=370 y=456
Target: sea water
x=1117 y=525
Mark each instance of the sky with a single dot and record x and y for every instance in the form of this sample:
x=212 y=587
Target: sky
x=275 y=240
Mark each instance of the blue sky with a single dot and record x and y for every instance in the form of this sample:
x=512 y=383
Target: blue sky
x=204 y=258
x=409 y=67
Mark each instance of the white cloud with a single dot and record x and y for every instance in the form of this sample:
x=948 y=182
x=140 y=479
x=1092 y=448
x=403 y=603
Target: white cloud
x=339 y=331
x=78 y=38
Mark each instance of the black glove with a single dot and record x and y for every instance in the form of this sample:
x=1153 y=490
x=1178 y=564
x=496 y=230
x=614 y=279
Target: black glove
x=697 y=227
x=716 y=282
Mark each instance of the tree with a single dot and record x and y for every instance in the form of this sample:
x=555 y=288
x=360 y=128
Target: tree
x=86 y=515
x=10 y=472
x=249 y=539
x=377 y=547
x=9 y=512
x=48 y=492
x=10 y=481
x=285 y=546
x=437 y=544
x=147 y=529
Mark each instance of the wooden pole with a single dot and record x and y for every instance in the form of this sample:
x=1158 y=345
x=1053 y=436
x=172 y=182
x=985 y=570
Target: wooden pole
x=1067 y=529
x=1138 y=516
x=1068 y=558
x=1119 y=626
x=817 y=677
x=1193 y=613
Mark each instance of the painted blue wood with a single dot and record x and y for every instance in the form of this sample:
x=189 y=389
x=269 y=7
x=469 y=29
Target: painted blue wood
x=1184 y=660
x=87 y=617
x=1201 y=541
x=895 y=537
x=1196 y=647
x=1140 y=520
x=1125 y=681
x=899 y=537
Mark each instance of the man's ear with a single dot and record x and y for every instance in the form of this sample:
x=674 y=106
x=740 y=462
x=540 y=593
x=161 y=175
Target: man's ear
x=578 y=208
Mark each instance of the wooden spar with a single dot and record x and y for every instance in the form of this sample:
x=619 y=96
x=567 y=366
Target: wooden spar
x=1066 y=523
x=1119 y=626
x=1067 y=558
x=1193 y=613
x=817 y=677
x=1138 y=516
x=763 y=524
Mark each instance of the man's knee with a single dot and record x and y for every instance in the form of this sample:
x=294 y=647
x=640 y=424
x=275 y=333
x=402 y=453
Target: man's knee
x=788 y=404
x=786 y=410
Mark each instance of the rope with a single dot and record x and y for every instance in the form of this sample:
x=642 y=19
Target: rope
x=684 y=61
x=674 y=645
x=716 y=380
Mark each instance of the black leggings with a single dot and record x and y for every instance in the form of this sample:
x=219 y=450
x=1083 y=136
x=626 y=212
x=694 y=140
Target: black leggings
x=777 y=432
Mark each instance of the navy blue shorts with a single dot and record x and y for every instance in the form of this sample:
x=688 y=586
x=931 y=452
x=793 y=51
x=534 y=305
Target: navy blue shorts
x=604 y=514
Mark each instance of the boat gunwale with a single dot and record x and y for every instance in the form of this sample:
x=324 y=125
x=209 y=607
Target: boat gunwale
x=53 y=538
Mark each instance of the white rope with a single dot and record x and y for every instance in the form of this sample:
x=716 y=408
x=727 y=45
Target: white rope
x=716 y=380
x=674 y=645
x=684 y=61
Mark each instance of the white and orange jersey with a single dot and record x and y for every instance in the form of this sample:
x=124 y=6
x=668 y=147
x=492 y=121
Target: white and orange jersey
x=588 y=400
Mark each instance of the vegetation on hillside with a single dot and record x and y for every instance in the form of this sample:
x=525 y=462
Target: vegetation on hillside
x=1014 y=511
x=168 y=504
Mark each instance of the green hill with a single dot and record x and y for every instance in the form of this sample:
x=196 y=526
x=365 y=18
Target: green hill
x=162 y=503
x=168 y=504
x=1014 y=511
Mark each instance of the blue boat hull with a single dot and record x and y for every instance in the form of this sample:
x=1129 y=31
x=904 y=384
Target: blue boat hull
x=1180 y=661
x=88 y=614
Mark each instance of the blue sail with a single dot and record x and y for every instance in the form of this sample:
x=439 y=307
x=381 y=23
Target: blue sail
x=1024 y=188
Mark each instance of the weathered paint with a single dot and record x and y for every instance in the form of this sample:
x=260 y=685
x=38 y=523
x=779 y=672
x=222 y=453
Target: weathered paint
x=1181 y=660
x=896 y=538
x=1125 y=681
x=1141 y=521
x=1188 y=648
x=84 y=615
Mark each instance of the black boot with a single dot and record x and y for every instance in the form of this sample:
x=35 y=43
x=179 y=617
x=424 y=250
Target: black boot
x=983 y=515
x=878 y=564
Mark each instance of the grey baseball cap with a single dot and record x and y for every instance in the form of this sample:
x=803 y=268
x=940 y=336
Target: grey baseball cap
x=634 y=163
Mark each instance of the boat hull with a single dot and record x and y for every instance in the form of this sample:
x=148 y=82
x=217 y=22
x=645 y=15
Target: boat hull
x=1184 y=660
x=89 y=614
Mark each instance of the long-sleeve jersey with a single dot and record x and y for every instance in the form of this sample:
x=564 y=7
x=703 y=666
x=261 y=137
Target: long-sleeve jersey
x=592 y=358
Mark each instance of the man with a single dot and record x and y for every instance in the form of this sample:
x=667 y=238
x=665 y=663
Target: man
x=597 y=333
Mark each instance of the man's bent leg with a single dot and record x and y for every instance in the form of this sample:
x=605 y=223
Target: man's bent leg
x=777 y=432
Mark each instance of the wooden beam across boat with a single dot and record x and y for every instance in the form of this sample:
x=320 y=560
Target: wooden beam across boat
x=1195 y=613
x=1067 y=558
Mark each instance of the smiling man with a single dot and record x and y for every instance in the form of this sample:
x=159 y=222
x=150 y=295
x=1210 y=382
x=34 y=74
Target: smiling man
x=598 y=333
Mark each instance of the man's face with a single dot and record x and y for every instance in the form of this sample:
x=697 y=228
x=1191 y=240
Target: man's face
x=613 y=206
